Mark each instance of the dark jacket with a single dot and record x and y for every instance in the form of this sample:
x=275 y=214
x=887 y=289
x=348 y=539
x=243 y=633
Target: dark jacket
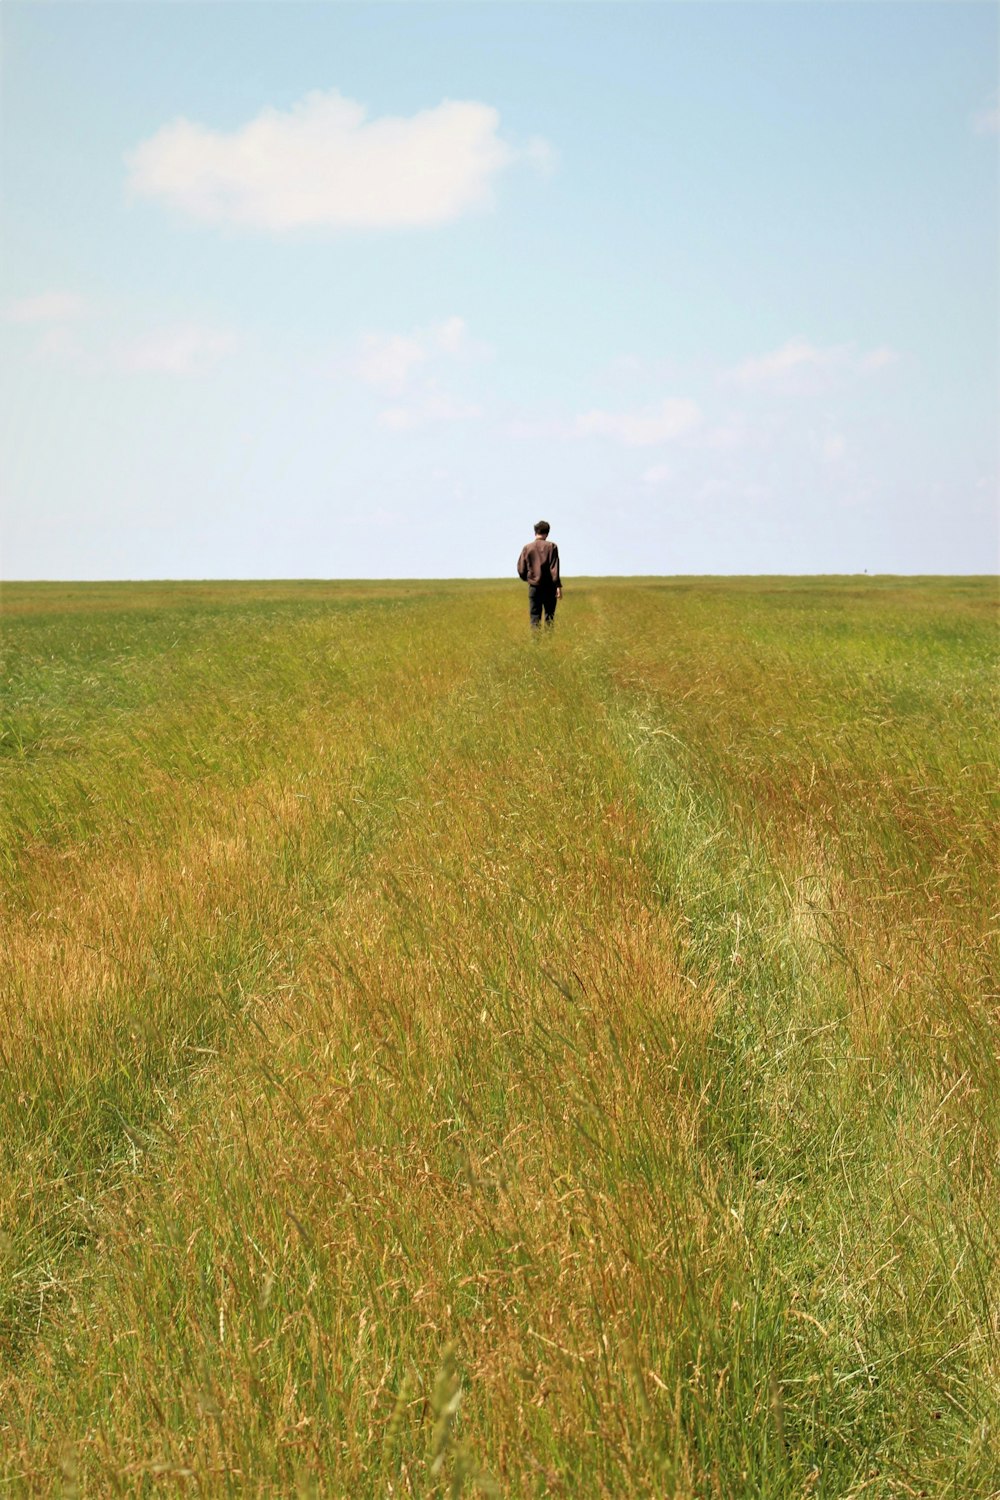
x=539 y=563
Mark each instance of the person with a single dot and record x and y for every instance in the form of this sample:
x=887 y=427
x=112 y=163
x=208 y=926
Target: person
x=538 y=566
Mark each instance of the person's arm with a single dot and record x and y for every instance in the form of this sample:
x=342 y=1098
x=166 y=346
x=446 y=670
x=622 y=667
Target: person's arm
x=554 y=570
x=522 y=564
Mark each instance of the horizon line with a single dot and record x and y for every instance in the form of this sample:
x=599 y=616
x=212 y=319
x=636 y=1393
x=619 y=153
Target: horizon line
x=469 y=578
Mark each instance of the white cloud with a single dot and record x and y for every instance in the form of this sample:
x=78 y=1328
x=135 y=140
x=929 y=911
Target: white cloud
x=659 y=370
x=398 y=418
x=798 y=365
x=186 y=349
x=178 y=349
x=542 y=155
x=324 y=164
x=452 y=335
x=879 y=359
x=660 y=423
x=388 y=360
x=833 y=448
x=657 y=475
x=47 y=307
x=987 y=121
x=791 y=359
x=734 y=433
x=432 y=406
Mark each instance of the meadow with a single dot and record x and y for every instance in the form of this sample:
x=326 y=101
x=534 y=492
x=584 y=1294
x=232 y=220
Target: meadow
x=437 y=1061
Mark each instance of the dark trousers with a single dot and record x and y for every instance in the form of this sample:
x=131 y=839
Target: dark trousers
x=541 y=597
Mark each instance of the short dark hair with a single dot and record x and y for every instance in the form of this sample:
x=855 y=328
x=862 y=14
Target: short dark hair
x=542 y=528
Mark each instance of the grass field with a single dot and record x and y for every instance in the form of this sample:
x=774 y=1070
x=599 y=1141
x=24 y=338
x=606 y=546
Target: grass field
x=440 y=1062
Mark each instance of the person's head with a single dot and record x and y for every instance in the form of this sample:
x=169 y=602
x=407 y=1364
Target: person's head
x=542 y=528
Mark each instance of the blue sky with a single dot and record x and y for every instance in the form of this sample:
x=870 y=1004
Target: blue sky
x=362 y=290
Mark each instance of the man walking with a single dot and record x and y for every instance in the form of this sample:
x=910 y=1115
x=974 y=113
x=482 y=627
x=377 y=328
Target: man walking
x=538 y=565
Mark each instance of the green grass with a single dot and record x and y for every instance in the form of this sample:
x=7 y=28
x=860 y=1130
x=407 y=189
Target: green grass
x=439 y=1061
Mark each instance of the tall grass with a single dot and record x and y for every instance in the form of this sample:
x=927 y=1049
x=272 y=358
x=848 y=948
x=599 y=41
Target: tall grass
x=437 y=1061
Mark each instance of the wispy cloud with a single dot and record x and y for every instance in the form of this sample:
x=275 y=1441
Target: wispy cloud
x=390 y=360
x=798 y=365
x=878 y=359
x=986 y=121
x=407 y=366
x=46 y=308
x=184 y=349
x=426 y=408
x=735 y=432
x=325 y=164
x=792 y=359
x=625 y=369
x=661 y=422
x=453 y=337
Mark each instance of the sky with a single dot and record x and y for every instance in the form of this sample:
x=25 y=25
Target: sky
x=364 y=290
